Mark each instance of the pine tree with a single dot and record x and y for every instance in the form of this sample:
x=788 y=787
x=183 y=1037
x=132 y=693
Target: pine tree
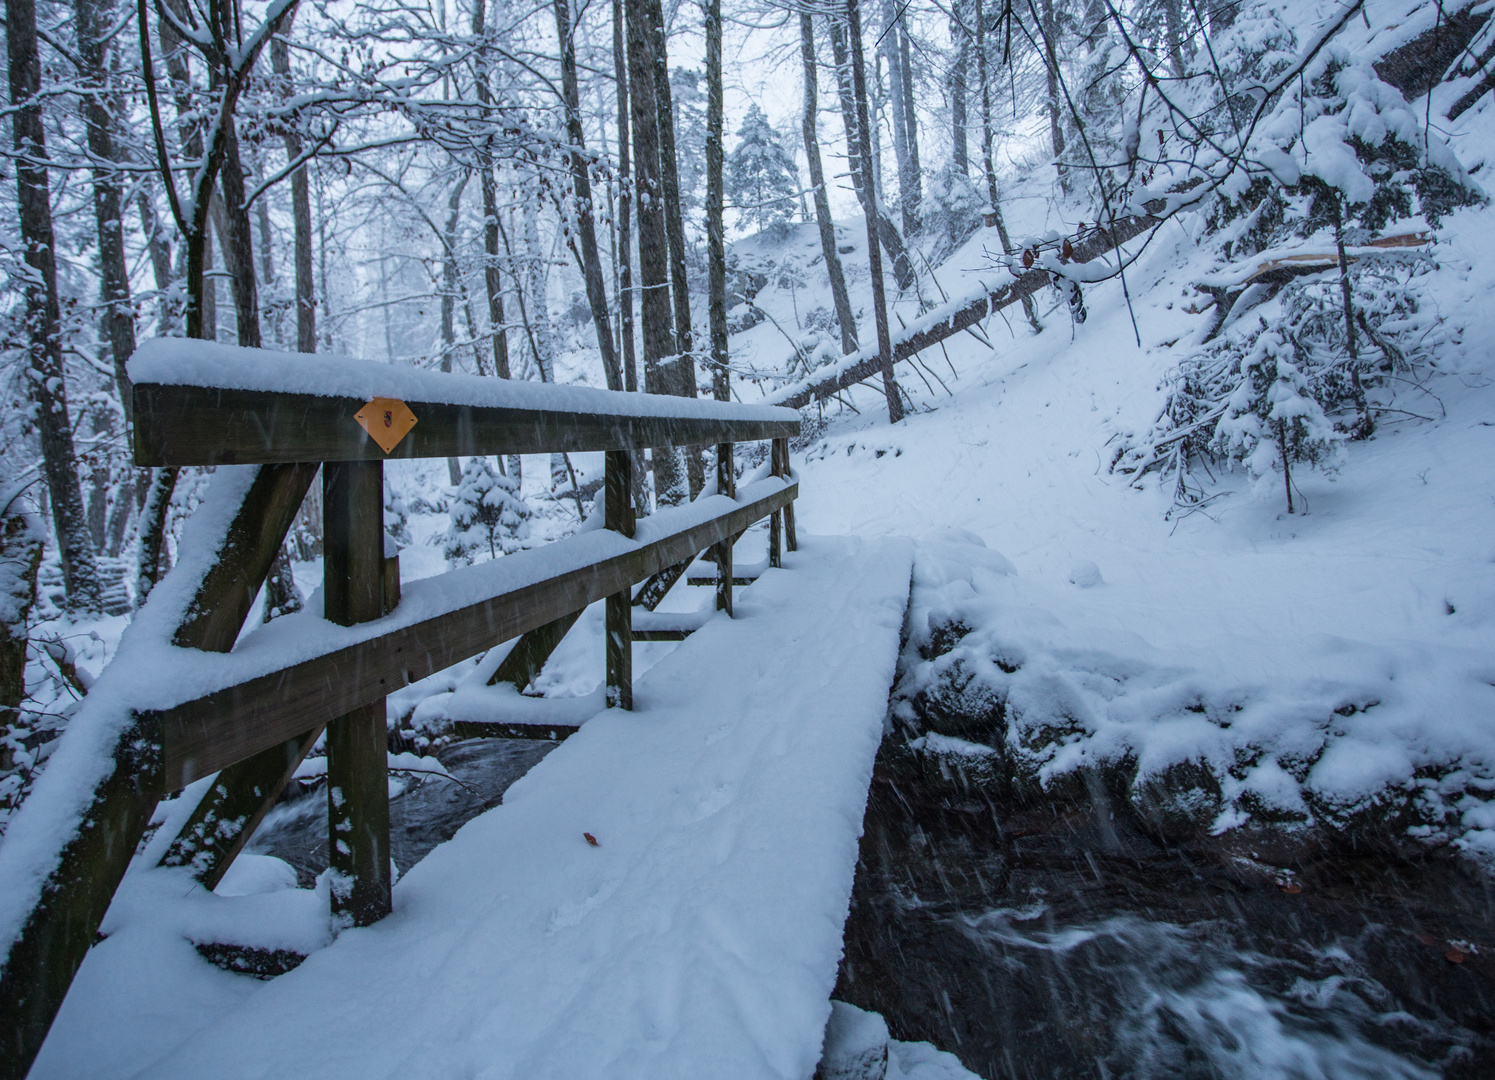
x=761 y=177
x=1272 y=420
x=487 y=512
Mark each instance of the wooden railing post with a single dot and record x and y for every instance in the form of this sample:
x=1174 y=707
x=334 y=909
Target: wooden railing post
x=726 y=484
x=617 y=515
x=781 y=468
x=357 y=743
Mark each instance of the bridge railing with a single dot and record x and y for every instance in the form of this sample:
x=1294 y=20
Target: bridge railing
x=251 y=713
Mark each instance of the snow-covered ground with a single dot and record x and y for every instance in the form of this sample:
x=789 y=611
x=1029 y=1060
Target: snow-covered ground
x=1319 y=663
x=662 y=896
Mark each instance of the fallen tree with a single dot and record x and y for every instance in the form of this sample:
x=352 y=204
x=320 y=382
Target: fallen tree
x=1048 y=263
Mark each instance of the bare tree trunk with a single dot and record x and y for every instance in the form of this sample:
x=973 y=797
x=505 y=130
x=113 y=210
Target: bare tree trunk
x=43 y=311
x=449 y=297
x=306 y=301
x=892 y=54
x=808 y=130
x=625 y=213
x=986 y=159
x=537 y=314
x=1173 y=28
x=960 y=33
x=639 y=473
x=653 y=243
x=159 y=249
x=238 y=246
x=716 y=243
x=492 y=283
x=1050 y=31
x=682 y=377
x=874 y=255
x=590 y=259
x=913 y=200
x=861 y=180
x=94 y=19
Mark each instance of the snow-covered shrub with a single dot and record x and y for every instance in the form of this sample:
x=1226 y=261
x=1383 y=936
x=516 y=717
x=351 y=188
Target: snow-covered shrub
x=1213 y=415
x=1271 y=420
x=487 y=513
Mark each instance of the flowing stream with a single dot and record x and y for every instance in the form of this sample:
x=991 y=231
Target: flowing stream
x=1061 y=941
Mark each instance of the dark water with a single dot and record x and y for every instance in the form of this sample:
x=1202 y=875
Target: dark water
x=429 y=810
x=1062 y=940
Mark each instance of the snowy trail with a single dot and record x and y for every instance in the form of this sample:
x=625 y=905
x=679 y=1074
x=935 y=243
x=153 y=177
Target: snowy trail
x=699 y=938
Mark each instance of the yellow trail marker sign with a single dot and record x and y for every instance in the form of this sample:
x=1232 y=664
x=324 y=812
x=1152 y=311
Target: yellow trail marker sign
x=387 y=420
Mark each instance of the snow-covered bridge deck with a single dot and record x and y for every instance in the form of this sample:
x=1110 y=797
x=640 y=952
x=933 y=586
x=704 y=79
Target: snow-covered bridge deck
x=699 y=938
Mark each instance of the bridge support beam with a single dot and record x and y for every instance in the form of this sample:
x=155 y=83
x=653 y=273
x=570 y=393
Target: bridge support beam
x=726 y=484
x=781 y=525
x=618 y=516
x=357 y=743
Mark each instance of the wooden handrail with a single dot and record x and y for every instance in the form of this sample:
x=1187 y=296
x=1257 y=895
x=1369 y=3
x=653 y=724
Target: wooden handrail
x=199 y=403
x=216 y=730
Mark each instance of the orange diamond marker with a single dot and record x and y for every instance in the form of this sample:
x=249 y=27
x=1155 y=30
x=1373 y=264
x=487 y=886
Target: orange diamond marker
x=387 y=421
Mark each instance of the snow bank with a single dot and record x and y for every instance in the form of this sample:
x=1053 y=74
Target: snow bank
x=1398 y=734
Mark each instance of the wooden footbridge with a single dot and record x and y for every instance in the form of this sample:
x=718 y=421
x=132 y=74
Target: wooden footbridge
x=732 y=796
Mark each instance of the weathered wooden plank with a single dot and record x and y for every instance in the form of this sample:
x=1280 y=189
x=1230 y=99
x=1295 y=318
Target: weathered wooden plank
x=187 y=425
x=618 y=515
x=58 y=932
x=228 y=590
x=528 y=656
x=229 y=812
x=353 y=568
x=740 y=577
x=219 y=729
x=664 y=633
x=726 y=483
x=60 y=929
x=651 y=592
x=780 y=467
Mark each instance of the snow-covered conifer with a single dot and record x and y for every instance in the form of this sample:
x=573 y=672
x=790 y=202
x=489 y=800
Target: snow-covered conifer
x=487 y=513
x=1272 y=420
x=760 y=177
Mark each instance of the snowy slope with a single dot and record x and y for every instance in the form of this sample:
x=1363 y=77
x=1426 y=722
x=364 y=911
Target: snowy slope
x=1353 y=640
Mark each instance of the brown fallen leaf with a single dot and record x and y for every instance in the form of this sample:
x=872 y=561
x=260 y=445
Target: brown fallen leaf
x=1454 y=956
x=1292 y=888
x=590 y=839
